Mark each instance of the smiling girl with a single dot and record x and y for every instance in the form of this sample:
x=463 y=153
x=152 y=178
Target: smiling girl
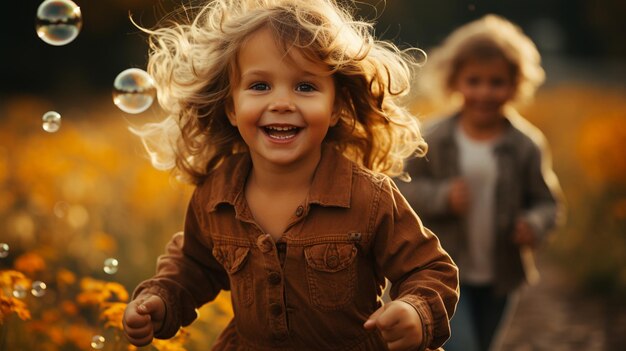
x=285 y=115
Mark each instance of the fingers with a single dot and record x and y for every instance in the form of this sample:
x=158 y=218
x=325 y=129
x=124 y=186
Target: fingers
x=137 y=333
x=141 y=341
x=153 y=306
x=524 y=234
x=387 y=320
x=399 y=325
x=370 y=323
x=142 y=333
x=459 y=196
x=384 y=321
x=137 y=322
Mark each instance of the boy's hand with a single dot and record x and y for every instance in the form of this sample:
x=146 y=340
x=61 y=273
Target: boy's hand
x=524 y=234
x=459 y=197
x=142 y=318
x=399 y=324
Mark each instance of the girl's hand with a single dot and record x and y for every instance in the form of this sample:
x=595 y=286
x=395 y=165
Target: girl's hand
x=399 y=324
x=142 y=317
x=524 y=234
x=459 y=197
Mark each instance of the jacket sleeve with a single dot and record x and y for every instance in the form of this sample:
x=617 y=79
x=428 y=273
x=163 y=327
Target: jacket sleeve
x=426 y=194
x=421 y=272
x=543 y=203
x=187 y=276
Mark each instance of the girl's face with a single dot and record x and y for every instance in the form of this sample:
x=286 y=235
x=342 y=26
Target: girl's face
x=283 y=104
x=486 y=86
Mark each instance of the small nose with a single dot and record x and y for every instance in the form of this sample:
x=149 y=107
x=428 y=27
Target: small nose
x=281 y=103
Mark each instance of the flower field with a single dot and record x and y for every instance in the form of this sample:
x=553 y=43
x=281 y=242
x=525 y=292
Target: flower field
x=71 y=199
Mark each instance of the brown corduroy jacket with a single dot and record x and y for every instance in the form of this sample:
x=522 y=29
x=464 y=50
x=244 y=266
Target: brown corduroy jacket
x=315 y=287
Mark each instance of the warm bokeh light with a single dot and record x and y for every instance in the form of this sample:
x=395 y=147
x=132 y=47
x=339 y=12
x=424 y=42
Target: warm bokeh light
x=82 y=222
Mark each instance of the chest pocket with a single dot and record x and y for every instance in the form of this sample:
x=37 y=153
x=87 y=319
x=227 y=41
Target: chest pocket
x=234 y=259
x=331 y=274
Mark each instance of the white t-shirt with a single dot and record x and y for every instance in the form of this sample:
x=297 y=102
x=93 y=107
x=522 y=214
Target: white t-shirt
x=478 y=166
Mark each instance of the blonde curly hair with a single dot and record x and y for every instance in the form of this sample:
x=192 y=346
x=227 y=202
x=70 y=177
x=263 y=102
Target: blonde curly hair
x=193 y=60
x=488 y=37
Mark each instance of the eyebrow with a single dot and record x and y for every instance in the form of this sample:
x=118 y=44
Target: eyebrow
x=260 y=72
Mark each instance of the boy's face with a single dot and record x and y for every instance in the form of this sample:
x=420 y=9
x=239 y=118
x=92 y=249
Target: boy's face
x=486 y=86
x=283 y=104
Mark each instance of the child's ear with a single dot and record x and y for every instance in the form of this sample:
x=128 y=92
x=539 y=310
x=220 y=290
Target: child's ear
x=336 y=114
x=334 y=119
x=230 y=112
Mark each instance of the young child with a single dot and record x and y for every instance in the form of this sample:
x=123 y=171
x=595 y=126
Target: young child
x=486 y=188
x=284 y=114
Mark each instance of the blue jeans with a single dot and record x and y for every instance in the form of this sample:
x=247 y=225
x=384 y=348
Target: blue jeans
x=478 y=314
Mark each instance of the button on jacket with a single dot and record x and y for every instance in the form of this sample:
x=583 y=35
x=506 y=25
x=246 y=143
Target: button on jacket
x=315 y=287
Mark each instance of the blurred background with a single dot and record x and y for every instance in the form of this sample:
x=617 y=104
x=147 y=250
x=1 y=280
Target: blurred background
x=72 y=199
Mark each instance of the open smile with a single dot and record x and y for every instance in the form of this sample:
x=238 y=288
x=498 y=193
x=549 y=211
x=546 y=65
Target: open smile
x=281 y=132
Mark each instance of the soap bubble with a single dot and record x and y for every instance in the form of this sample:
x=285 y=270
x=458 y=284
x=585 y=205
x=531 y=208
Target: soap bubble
x=97 y=342
x=38 y=288
x=133 y=90
x=19 y=291
x=110 y=266
x=58 y=22
x=4 y=250
x=51 y=121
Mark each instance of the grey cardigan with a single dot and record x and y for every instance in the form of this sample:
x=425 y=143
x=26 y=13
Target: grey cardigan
x=526 y=186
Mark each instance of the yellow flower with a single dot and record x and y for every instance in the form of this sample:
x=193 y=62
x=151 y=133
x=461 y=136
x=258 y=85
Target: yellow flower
x=97 y=292
x=69 y=308
x=112 y=314
x=104 y=242
x=8 y=278
x=80 y=335
x=601 y=148
x=49 y=328
x=30 y=263
x=65 y=277
x=10 y=305
x=173 y=344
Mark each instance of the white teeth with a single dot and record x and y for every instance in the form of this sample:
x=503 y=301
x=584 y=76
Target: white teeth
x=282 y=129
x=281 y=137
x=281 y=132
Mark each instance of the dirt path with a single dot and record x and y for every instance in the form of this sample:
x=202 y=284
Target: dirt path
x=553 y=316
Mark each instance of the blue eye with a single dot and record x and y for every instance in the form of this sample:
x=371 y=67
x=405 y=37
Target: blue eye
x=260 y=86
x=305 y=87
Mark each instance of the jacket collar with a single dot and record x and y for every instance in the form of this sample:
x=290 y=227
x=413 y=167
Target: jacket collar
x=331 y=185
x=504 y=142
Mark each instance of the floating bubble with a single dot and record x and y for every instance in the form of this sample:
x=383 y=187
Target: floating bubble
x=38 y=288
x=4 y=250
x=19 y=291
x=58 y=21
x=51 y=121
x=97 y=342
x=133 y=90
x=110 y=266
